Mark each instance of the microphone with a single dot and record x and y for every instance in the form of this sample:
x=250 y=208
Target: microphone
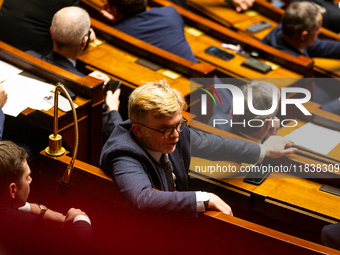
x=55 y=140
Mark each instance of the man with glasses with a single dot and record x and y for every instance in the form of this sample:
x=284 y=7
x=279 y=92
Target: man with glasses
x=138 y=151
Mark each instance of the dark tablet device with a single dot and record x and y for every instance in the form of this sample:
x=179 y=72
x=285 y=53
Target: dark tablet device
x=148 y=64
x=111 y=85
x=256 y=177
x=214 y=51
x=258 y=26
x=257 y=65
x=70 y=92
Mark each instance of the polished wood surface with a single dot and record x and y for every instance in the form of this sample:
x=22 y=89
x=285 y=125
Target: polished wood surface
x=215 y=34
x=122 y=66
x=283 y=196
x=226 y=15
x=218 y=230
x=145 y=50
x=89 y=98
x=150 y=52
x=300 y=65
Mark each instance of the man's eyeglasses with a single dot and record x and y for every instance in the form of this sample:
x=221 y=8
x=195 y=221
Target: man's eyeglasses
x=169 y=131
x=88 y=39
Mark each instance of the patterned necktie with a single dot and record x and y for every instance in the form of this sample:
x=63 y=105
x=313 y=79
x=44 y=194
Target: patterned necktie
x=167 y=168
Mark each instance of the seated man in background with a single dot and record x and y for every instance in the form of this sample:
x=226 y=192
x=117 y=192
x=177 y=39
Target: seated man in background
x=149 y=155
x=330 y=11
x=26 y=26
x=70 y=31
x=264 y=126
x=297 y=35
x=162 y=27
x=31 y=228
x=3 y=100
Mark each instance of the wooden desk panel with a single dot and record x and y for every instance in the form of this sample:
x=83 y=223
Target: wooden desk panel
x=262 y=11
x=211 y=231
x=281 y=196
x=233 y=66
x=301 y=64
x=225 y=14
x=121 y=65
x=298 y=65
x=89 y=98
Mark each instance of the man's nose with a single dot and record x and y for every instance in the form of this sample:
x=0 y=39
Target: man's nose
x=175 y=133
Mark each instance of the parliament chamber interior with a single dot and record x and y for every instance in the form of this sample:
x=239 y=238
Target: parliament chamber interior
x=284 y=214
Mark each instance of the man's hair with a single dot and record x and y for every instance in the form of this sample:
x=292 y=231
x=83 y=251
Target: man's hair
x=129 y=7
x=262 y=93
x=299 y=17
x=155 y=97
x=11 y=164
x=69 y=26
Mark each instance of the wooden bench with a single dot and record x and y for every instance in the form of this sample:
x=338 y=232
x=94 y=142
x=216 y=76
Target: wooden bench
x=232 y=67
x=220 y=34
x=122 y=229
x=225 y=14
x=89 y=98
x=286 y=197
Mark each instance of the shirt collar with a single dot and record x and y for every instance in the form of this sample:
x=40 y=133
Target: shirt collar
x=155 y=154
x=72 y=61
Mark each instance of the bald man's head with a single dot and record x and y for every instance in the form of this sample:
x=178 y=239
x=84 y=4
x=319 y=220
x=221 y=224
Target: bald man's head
x=69 y=26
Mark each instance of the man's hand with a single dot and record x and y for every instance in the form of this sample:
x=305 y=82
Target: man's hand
x=216 y=203
x=105 y=12
x=112 y=100
x=274 y=127
x=277 y=146
x=71 y=214
x=3 y=96
x=92 y=35
x=243 y=5
x=100 y=76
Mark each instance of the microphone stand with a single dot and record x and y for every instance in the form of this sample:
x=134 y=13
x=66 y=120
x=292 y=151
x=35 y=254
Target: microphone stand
x=55 y=142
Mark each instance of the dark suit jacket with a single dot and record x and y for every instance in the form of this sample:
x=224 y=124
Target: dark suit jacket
x=110 y=118
x=26 y=26
x=2 y=123
x=320 y=49
x=330 y=236
x=58 y=60
x=162 y=27
x=331 y=18
x=25 y=233
x=136 y=173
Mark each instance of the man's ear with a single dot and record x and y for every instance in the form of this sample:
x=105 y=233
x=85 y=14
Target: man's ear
x=136 y=128
x=12 y=189
x=84 y=41
x=304 y=35
x=268 y=124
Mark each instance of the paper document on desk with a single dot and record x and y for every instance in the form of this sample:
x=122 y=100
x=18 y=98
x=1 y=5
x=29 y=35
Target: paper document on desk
x=316 y=138
x=8 y=70
x=25 y=92
x=63 y=103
